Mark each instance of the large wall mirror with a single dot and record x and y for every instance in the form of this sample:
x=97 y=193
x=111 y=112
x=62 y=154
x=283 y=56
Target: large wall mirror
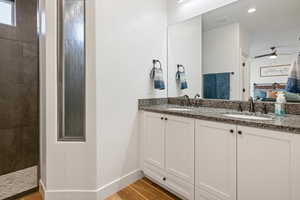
x=245 y=49
x=71 y=70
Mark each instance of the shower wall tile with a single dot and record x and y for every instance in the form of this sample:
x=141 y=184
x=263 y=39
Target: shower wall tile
x=8 y=32
x=26 y=20
x=18 y=105
x=29 y=50
x=30 y=146
x=10 y=148
x=19 y=82
x=10 y=56
x=18 y=64
x=18 y=149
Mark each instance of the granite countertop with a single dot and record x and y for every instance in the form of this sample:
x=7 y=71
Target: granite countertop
x=288 y=123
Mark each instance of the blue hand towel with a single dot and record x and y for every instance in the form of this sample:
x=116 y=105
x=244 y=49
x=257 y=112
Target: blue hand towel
x=181 y=78
x=293 y=84
x=157 y=76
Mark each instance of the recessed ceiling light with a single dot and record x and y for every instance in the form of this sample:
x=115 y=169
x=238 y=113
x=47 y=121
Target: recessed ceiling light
x=252 y=10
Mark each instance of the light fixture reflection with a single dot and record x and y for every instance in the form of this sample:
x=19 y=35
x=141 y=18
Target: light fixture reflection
x=252 y=10
x=273 y=56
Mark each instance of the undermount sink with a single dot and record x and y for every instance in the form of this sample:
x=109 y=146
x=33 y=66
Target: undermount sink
x=251 y=117
x=179 y=109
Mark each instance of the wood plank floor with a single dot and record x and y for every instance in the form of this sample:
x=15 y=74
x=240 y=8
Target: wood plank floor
x=34 y=196
x=143 y=189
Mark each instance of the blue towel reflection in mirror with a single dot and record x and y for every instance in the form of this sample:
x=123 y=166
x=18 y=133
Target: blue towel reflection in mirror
x=157 y=75
x=181 y=77
x=216 y=86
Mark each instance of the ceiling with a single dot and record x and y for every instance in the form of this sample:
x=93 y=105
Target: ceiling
x=272 y=16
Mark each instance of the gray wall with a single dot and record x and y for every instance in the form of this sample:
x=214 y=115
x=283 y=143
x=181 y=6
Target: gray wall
x=19 y=90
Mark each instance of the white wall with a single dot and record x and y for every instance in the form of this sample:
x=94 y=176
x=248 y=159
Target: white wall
x=192 y=8
x=129 y=34
x=71 y=166
x=184 y=47
x=122 y=39
x=221 y=53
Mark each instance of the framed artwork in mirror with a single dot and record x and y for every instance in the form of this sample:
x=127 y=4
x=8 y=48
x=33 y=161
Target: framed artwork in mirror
x=276 y=70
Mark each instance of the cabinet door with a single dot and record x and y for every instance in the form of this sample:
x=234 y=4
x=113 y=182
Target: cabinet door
x=215 y=160
x=296 y=166
x=180 y=155
x=264 y=165
x=154 y=140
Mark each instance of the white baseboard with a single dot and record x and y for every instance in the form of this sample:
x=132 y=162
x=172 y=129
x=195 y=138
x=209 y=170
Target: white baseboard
x=119 y=184
x=99 y=194
x=42 y=189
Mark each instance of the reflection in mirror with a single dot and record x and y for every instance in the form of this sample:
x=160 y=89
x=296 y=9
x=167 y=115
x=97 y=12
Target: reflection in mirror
x=184 y=49
x=245 y=49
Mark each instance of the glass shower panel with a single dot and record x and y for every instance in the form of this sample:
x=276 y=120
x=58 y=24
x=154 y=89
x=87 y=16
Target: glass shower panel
x=71 y=70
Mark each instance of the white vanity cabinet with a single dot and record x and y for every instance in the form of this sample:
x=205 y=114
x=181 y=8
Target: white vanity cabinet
x=168 y=152
x=206 y=160
x=215 y=158
x=154 y=146
x=264 y=164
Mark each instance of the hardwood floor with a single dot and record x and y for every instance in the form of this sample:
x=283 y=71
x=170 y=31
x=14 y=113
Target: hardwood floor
x=34 y=196
x=143 y=189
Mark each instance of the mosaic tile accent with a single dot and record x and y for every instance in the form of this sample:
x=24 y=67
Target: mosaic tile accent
x=18 y=182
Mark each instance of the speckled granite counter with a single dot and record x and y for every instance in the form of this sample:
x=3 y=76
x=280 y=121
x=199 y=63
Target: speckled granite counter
x=289 y=123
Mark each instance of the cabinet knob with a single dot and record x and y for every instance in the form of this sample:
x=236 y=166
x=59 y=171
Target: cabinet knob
x=164 y=178
x=240 y=132
x=166 y=119
x=231 y=131
x=162 y=118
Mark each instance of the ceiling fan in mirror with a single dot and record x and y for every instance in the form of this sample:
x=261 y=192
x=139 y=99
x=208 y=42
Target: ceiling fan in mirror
x=274 y=53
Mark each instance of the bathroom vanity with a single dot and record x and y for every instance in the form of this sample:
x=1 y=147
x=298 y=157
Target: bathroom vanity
x=203 y=154
x=207 y=149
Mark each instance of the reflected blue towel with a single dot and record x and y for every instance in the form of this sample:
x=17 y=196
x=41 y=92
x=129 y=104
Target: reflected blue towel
x=216 y=86
x=181 y=79
x=157 y=76
x=293 y=84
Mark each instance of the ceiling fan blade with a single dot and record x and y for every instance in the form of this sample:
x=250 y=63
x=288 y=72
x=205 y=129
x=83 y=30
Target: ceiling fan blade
x=265 y=55
x=285 y=54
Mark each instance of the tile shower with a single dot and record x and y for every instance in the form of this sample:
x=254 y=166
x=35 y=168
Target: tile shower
x=19 y=129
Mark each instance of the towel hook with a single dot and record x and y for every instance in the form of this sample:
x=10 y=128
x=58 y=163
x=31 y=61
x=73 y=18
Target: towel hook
x=180 y=66
x=155 y=62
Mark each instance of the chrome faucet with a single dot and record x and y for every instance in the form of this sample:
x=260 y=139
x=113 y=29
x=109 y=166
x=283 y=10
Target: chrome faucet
x=251 y=105
x=188 y=99
x=240 y=107
x=197 y=96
